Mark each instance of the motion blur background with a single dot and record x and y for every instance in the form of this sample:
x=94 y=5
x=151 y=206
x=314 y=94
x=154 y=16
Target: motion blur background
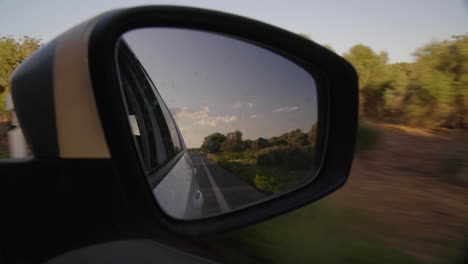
x=406 y=200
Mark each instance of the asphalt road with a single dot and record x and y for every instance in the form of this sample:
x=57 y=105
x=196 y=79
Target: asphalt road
x=222 y=190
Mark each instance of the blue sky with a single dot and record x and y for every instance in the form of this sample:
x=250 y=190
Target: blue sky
x=398 y=26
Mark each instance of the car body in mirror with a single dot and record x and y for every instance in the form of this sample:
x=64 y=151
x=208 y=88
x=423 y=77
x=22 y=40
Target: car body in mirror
x=164 y=156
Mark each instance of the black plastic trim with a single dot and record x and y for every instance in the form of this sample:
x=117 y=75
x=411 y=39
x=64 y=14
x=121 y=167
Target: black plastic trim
x=339 y=82
x=33 y=94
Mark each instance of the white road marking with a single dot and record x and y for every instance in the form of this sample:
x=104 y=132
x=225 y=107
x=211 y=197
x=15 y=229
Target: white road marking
x=218 y=195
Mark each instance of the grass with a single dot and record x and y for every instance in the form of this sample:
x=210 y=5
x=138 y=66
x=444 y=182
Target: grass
x=318 y=233
x=243 y=168
x=269 y=179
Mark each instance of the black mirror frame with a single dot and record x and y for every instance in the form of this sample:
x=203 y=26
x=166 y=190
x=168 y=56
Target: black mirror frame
x=339 y=101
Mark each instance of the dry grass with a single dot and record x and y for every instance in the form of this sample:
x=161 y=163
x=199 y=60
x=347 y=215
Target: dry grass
x=411 y=130
x=402 y=184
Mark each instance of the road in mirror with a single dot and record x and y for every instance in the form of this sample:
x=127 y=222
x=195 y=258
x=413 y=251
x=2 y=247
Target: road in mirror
x=220 y=123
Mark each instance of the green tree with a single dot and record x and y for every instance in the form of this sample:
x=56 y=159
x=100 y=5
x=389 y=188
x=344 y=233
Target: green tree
x=278 y=141
x=296 y=138
x=312 y=135
x=235 y=136
x=372 y=71
x=260 y=143
x=247 y=144
x=230 y=146
x=395 y=90
x=212 y=143
x=437 y=95
x=433 y=91
x=12 y=53
x=233 y=142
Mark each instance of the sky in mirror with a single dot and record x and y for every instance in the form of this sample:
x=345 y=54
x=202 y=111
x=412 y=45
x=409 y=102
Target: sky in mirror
x=213 y=83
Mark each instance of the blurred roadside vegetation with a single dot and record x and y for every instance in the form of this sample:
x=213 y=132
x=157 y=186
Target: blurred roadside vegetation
x=431 y=92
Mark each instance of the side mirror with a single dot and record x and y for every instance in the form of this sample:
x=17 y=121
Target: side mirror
x=271 y=116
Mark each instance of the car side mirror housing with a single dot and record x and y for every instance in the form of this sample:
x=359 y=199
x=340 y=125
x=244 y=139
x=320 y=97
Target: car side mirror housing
x=94 y=94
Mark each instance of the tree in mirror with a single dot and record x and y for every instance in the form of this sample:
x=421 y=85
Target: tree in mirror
x=220 y=123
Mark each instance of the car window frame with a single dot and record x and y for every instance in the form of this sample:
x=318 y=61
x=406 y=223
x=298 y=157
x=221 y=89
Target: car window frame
x=172 y=151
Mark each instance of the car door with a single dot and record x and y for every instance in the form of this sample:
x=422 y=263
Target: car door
x=167 y=162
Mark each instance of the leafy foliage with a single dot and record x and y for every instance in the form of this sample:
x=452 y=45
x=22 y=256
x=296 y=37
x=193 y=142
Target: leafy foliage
x=212 y=143
x=12 y=53
x=296 y=138
x=233 y=142
x=431 y=92
x=261 y=143
x=289 y=157
x=372 y=71
x=312 y=135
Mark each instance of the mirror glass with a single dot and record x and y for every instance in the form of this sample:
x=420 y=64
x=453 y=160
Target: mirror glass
x=220 y=123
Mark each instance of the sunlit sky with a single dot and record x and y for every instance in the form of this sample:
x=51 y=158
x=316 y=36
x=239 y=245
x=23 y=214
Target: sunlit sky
x=213 y=83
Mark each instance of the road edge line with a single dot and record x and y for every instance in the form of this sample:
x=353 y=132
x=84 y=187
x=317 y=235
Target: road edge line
x=218 y=195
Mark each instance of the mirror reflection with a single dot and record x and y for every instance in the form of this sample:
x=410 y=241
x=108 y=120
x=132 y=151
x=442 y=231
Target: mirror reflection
x=220 y=123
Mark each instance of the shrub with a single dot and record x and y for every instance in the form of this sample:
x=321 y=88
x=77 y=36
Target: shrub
x=271 y=182
x=263 y=183
x=278 y=141
x=271 y=156
x=233 y=156
x=230 y=146
x=212 y=143
x=260 y=143
x=290 y=157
